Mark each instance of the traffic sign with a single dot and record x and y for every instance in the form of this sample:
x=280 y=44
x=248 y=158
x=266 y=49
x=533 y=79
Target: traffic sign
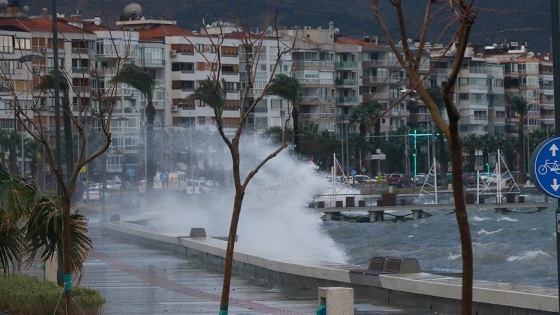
x=545 y=167
x=380 y=156
x=163 y=176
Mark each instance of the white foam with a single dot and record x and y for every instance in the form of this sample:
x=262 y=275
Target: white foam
x=504 y=218
x=481 y=232
x=479 y=219
x=274 y=214
x=528 y=255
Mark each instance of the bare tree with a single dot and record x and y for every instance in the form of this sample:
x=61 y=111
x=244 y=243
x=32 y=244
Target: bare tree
x=34 y=120
x=212 y=92
x=459 y=16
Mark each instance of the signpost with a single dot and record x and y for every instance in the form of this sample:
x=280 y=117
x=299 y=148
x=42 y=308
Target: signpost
x=545 y=167
x=555 y=21
x=545 y=173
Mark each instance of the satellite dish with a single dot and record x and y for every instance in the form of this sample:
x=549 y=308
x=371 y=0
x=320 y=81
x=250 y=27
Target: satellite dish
x=3 y=4
x=131 y=11
x=25 y=8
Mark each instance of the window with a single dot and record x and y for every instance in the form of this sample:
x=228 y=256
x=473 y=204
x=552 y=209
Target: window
x=230 y=68
x=182 y=85
x=229 y=51
x=276 y=104
x=7 y=44
x=182 y=66
x=463 y=96
x=23 y=43
x=201 y=120
x=200 y=47
x=183 y=48
x=231 y=86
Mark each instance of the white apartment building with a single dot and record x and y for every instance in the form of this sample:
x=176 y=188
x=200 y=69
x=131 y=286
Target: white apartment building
x=335 y=75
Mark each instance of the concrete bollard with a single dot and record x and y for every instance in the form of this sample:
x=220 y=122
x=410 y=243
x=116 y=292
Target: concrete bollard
x=338 y=300
x=197 y=232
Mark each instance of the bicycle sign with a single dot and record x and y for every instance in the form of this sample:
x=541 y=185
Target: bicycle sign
x=545 y=167
x=552 y=166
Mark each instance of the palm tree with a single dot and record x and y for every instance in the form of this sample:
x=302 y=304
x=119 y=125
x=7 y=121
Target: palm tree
x=520 y=106
x=142 y=81
x=48 y=84
x=470 y=145
x=288 y=88
x=365 y=115
x=10 y=139
x=31 y=226
x=213 y=93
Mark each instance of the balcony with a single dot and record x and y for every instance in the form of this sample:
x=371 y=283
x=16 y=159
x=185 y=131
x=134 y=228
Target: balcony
x=375 y=96
x=298 y=64
x=315 y=99
x=352 y=82
x=316 y=81
x=346 y=64
x=350 y=100
x=376 y=80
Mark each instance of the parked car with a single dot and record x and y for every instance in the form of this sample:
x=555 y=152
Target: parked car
x=398 y=180
x=361 y=179
x=419 y=179
x=94 y=194
x=113 y=185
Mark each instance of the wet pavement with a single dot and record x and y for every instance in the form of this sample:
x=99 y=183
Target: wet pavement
x=138 y=280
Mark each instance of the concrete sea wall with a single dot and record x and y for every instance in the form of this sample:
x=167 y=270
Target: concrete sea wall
x=422 y=290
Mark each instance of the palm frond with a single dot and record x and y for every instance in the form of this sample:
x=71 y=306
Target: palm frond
x=11 y=244
x=285 y=87
x=16 y=195
x=213 y=93
x=136 y=77
x=44 y=233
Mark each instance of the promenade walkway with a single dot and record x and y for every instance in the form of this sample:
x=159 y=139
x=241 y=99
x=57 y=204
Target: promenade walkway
x=139 y=280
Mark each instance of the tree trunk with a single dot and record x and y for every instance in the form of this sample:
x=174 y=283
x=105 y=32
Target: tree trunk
x=12 y=157
x=462 y=217
x=68 y=143
x=150 y=160
x=295 y=116
x=239 y=194
x=520 y=150
x=67 y=256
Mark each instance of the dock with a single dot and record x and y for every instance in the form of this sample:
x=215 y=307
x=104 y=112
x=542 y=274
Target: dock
x=418 y=211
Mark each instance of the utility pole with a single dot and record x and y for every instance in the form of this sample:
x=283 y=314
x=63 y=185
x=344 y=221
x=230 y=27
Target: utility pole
x=555 y=9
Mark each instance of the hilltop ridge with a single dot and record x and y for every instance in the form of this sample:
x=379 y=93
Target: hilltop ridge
x=498 y=20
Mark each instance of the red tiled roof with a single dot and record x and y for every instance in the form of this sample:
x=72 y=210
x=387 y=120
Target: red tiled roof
x=163 y=31
x=93 y=27
x=353 y=41
x=39 y=25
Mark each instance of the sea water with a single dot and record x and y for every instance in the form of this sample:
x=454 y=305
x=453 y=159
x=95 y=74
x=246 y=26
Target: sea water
x=513 y=248
x=518 y=247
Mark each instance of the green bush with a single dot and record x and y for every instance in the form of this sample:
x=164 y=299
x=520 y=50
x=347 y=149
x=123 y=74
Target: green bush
x=23 y=294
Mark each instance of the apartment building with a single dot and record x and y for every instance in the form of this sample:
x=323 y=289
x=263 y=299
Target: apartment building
x=335 y=73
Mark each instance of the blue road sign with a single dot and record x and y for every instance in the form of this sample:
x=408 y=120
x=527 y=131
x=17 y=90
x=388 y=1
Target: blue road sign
x=163 y=176
x=130 y=172
x=353 y=172
x=545 y=167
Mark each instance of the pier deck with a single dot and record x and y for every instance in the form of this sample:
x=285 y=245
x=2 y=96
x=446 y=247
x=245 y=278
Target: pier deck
x=378 y=213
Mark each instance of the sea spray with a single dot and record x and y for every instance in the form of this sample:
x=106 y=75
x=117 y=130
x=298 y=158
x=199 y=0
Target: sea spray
x=275 y=217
